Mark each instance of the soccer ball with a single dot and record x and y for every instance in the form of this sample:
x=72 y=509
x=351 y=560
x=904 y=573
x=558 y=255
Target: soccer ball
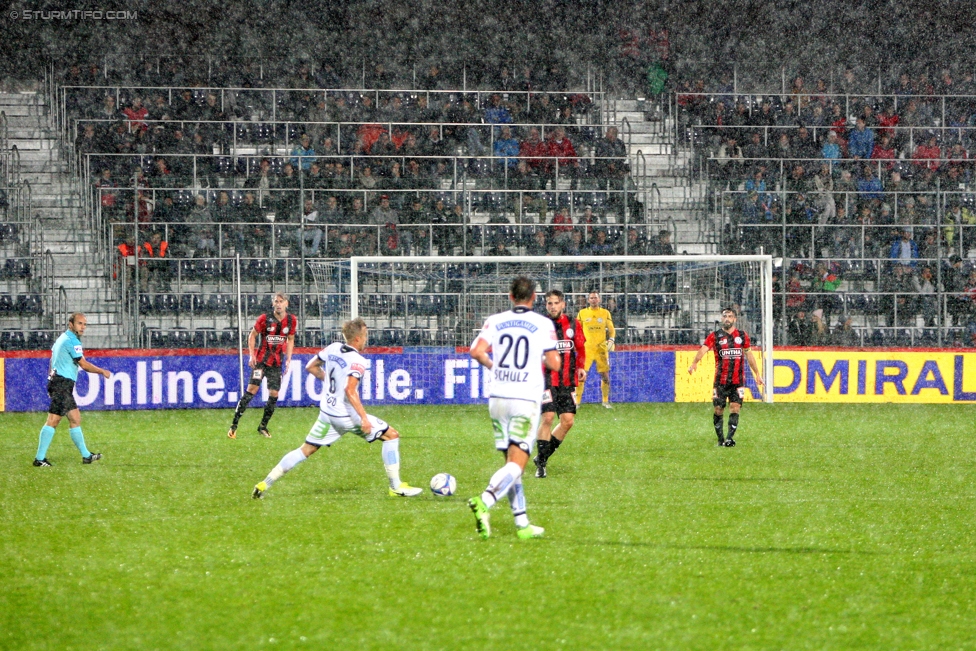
x=443 y=484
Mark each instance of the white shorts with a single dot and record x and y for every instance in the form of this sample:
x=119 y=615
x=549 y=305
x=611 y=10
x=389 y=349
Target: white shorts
x=329 y=428
x=515 y=422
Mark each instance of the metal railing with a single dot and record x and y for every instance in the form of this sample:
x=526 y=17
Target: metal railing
x=283 y=139
x=274 y=104
x=690 y=103
x=496 y=180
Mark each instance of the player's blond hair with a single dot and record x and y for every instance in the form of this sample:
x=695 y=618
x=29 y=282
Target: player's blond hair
x=352 y=329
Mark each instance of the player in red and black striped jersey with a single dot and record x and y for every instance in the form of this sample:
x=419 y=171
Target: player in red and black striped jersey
x=277 y=340
x=732 y=351
x=560 y=394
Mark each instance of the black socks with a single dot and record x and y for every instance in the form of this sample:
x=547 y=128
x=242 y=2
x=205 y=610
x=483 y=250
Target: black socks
x=717 y=422
x=547 y=448
x=733 y=424
x=242 y=407
x=269 y=408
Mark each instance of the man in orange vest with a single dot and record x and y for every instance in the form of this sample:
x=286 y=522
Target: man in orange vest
x=126 y=264
x=155 y=257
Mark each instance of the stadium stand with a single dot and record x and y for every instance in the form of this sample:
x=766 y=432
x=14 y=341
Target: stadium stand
x=867 y=198
x=862 y=197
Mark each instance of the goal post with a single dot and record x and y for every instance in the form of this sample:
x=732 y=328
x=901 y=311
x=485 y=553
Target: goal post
x=656 y=302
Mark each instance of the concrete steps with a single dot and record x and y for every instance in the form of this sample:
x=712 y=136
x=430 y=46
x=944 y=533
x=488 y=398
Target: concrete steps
x=56 y=205
x=663 y=175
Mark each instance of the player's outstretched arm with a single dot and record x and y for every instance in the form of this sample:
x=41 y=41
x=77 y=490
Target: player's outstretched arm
x=754 y=365
x=479 y=353
x=91 y=368
x=698 y=357
x=352 y=397
x=314 y=367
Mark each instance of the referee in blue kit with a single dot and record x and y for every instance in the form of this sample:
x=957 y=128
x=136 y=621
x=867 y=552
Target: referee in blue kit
x=67 y=356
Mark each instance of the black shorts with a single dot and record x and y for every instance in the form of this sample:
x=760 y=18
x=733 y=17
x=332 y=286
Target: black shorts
x=562 y=400
x=271 y=373
x=731 y=392
x=62 y=393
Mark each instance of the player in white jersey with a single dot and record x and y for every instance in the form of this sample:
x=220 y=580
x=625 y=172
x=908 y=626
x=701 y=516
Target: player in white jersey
x=521 y=341
x=341 y=367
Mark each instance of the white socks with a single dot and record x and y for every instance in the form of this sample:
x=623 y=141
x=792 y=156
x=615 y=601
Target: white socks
x=287 y=462
x=501 y=482
x=516 y=497
x=391 y=461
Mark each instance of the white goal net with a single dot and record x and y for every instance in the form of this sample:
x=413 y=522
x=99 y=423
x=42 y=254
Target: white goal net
x=659 y=305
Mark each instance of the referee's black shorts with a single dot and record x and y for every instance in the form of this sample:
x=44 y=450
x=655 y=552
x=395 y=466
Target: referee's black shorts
x=271 y=373
x=61 y=390
x=561 y=400
x=727 y=392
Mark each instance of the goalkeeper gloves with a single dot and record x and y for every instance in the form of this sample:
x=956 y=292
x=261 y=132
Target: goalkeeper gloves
x=610 y=345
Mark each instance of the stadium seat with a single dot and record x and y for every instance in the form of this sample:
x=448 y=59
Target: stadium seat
x=181 y=338
x=227 y=339
x=6 y=304
x=187 y=270
x=929 y=338
x=877 y=338
x=223 y=166
x=311 y=305
x=633 y=304
x=279 y=270
x=903 y=338
x=650 y=336
x=198 y=339
x=44 y=339
x=446 y=338
x=380 y=337
x=311 y=337
x=15 y=269
x=12 y=340
x=262 y=133
x=209 y=339
x=207 y=269
x=262 y=304
x=294 y=270
x=394 y=336
x=331 y=305
x=426 y=305
x=157 y=339
x=228 y=270
x=165 y=304
x=224 y=304
x=251 y=303
x=147 y=306
x=29 y=304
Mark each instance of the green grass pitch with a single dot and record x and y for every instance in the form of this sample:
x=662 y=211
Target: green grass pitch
x=827 y=527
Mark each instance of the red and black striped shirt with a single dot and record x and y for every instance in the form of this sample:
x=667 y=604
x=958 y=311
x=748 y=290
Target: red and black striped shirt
x=274 y=336
x=572 y=348
x=730 y=351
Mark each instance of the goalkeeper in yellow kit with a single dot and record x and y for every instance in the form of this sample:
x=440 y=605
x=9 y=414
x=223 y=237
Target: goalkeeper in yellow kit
x=599 y=332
